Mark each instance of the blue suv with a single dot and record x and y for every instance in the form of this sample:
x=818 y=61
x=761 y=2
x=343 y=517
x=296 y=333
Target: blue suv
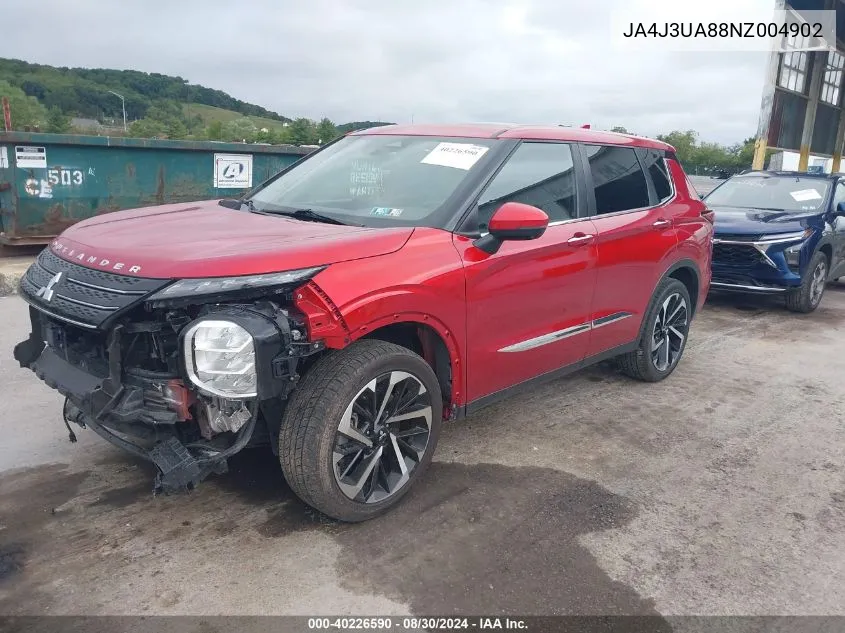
x=779 y=232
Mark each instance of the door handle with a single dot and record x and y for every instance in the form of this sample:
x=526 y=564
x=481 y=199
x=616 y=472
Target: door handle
x=580 y=238
x=661 y=222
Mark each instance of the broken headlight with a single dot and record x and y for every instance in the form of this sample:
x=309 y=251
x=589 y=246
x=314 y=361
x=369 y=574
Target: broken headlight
x=209 y=289
x=220 y=359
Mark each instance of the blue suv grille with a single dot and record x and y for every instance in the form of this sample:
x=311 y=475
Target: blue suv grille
x=736 y=255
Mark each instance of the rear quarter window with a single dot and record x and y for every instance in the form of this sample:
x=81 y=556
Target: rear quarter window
x=655 y=164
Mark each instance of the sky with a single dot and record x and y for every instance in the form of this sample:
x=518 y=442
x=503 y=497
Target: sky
x=528 y=61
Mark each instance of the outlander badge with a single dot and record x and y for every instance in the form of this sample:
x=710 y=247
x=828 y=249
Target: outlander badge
x=46 y=292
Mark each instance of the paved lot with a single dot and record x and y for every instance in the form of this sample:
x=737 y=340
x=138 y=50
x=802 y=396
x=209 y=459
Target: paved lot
x=719 y=491
x=704 y=184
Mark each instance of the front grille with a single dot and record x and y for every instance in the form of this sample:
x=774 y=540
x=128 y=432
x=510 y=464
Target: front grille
x=83 y=296
x=736 y=255
x=739 y=237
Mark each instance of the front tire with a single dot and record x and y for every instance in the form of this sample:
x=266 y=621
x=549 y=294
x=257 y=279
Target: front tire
x=808 y=295
x=361 y=429
x=663 y=336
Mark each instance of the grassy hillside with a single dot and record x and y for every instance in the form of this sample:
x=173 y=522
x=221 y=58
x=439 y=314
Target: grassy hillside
x=210 y=114
x=85 y=92
x=47 y=98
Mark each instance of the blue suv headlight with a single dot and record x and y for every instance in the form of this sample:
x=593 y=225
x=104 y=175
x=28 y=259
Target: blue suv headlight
x=790 y=243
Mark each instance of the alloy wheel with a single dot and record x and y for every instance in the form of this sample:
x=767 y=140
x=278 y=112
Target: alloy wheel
x=669 y=332
x=382 y=437
x=817 y=283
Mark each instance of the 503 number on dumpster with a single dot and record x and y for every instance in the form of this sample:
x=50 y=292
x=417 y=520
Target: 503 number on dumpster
x=65 y=177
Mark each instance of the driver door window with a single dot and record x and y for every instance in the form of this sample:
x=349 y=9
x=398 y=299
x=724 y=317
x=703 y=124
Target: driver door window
x=539 y=174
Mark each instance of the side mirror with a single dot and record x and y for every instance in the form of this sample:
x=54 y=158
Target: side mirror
x=840 y=209
x=229 y=203
x=513 y=221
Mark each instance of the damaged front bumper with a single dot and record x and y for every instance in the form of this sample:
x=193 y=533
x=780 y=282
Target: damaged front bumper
x=137 y=412
x=186 y=435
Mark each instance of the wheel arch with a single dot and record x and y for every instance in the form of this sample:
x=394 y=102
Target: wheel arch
x=826 y=247
x=431 y=339
x=686 y=271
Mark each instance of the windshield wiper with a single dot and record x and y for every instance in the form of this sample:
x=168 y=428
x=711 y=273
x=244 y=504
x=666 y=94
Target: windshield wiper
x=308 y=214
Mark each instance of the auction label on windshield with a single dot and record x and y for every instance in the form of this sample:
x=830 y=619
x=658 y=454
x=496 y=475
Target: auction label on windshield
x=457 y=155
x=805 y=194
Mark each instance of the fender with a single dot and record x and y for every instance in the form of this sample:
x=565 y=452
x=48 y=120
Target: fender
x=826 y=238
x=324 y=320
x=420 y=318
x=685 y=263
x=678 y=265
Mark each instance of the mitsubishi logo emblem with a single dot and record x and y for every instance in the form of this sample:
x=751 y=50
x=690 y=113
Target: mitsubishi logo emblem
x=47 y=291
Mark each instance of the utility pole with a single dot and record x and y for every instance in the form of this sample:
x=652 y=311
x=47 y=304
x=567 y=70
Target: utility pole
x=123 y=105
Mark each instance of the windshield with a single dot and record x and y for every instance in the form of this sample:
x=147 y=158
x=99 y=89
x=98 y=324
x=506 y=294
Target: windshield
x=765 y=191
x=377 y=180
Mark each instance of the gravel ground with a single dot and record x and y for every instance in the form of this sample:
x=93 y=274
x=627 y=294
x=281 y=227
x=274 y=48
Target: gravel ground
x=718 y=491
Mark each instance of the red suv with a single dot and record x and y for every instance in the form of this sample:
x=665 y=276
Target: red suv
x=398 y=277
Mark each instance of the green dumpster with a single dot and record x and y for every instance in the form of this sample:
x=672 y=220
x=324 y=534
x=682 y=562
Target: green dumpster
x=50 y=181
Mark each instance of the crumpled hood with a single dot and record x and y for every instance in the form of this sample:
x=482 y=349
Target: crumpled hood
x=203 y=239
x=740 y=221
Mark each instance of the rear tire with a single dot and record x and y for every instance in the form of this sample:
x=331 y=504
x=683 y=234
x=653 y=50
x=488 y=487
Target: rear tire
x=360 y=429
x=808 y=295
x=664 y=334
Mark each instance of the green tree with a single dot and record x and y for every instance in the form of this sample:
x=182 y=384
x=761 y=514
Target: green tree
x=164 y=119
x=57 y=121
x=26 y=111
x=238 y=130
x=303 y=131
x=743 y=153
x=684 y=144
x=619 y=128
x=281 y=136
x=148 y=128
x=326 y=131
x=214 y=131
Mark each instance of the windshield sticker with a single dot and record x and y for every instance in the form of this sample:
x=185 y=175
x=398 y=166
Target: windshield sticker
x=805 y=194
x=366 y=179
x=388 y=211
x=457 y=155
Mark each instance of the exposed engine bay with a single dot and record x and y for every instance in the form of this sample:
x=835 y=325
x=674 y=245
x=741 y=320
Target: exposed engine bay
x=184 y=379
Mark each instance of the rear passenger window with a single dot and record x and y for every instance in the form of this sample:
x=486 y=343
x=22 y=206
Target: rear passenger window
x=619 y=181
x=656 y=168
x=539 y=174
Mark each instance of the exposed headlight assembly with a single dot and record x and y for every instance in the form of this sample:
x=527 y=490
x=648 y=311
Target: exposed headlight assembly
x=241 y=351
x=220 y=358
x=208 y=289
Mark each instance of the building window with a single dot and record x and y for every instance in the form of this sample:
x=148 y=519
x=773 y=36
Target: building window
x=793 y=68
x=832 y=78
